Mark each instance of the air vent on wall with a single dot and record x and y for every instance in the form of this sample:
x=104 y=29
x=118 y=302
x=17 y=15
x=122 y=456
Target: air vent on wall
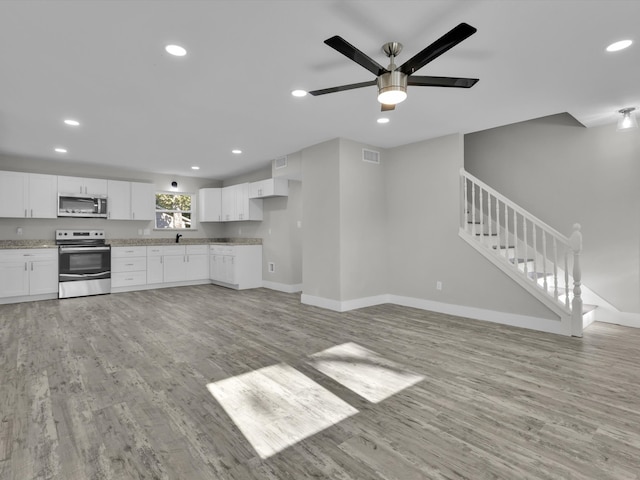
x=280 y=162
x=370 y=156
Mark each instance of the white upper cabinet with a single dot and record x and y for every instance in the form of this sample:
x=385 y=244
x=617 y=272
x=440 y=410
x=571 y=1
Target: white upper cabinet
x=85 y=186
x=28 y=195
x=271 y=187
x=143 y=201
x=237 y=206
x=228 y=203
x=43 y=196
x=210 y=205
x=119 y=200
x=130 y=200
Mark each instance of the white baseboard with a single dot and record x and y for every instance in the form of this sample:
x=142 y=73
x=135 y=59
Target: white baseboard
x=512 y=319
x=282 y=287
x=321 y=302
x=515 y=320
x=625 y=319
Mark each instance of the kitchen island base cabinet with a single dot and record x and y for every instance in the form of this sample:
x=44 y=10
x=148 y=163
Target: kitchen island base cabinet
x=236 y=266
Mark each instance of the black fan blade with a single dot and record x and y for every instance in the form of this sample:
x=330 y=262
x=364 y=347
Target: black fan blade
x=423 y=81
x=437 y=48
x=341 y=45
x=342 y=88
x=386 y=108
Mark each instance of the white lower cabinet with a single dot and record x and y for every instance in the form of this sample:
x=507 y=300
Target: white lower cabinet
x=128 y=266
x=155 y=268
x=236 y=266
x=28 y=272
x=177 y=263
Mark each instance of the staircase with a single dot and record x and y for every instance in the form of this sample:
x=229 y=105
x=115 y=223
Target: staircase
x=539 y=258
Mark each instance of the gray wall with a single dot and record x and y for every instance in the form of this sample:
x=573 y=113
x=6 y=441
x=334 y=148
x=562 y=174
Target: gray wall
x=363 y=223
x=44 y=229
x=321 y=220
x=564 y=173
x=423 y=192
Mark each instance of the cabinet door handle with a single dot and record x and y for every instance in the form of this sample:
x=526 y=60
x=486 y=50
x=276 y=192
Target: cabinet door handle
x=161 y=260
x=25 y=266
x=32 y=267
x=133 y=215
x=32 y=213
x=25 y=213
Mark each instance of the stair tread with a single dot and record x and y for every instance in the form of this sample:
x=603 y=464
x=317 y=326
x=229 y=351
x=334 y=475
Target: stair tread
x=538 y=274
x=521 y=260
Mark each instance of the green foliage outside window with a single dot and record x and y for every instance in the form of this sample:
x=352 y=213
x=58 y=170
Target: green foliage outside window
x=173 y=211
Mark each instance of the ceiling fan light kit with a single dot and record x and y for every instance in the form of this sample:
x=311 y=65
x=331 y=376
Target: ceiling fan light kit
x=392 y=81
x=392 y=87
x=628 y=120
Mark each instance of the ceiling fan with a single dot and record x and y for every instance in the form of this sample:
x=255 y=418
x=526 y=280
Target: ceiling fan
x=392 y=81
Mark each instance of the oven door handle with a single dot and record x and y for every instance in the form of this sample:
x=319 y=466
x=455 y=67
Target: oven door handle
x=84 y=249
x=84 y=275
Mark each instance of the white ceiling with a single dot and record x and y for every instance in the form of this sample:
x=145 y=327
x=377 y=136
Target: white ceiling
x=103 y=63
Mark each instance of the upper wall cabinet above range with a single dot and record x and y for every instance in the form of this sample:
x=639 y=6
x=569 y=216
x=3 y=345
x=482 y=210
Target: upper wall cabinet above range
x=95 y=186
x=28 y=195
x=271 y=187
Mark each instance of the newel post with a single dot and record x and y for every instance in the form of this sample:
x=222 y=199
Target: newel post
x=575 y=241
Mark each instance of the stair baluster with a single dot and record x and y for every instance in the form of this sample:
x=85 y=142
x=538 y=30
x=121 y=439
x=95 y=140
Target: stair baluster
x=576 y=305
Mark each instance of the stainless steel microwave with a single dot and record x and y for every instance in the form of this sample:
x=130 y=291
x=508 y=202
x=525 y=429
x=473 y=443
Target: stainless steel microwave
x=82 y=205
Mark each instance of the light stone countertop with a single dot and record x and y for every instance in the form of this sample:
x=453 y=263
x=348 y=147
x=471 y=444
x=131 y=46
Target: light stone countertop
x=125 y=242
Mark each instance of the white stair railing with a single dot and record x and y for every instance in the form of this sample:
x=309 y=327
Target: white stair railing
x=539 y=257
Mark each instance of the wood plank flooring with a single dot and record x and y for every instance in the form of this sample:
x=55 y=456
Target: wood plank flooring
x=115 y=387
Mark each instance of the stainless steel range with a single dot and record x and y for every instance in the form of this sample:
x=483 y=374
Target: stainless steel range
x=84 y=263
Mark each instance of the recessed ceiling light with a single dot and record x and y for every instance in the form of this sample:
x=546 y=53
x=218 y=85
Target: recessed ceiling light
x=176 y=50
x=60 y=150
x=383 y=120
x=236 y=151
x=73 y=123
x=195 y=167
x=621 y=45
x=299 y=93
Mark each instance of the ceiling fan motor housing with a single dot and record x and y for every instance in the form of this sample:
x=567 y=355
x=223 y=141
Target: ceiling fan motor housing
x=394 y=81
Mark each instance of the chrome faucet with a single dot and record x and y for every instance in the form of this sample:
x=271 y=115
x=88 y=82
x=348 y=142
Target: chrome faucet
x=178 y=235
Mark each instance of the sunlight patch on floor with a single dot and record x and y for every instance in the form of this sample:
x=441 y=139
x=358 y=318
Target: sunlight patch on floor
x=363 y=371
x=277 y=406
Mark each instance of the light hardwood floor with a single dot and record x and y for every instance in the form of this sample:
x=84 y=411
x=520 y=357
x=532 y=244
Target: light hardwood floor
x=115 y=387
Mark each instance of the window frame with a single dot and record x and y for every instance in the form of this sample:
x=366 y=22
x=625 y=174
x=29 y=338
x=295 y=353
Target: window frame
x=192 y=211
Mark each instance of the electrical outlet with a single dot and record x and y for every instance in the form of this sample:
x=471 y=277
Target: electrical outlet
x=438 y=285
x=19 y=230
x=271 y=267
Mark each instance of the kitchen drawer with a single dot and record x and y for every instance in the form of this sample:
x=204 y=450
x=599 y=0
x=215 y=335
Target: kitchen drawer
x=154 y=251
x=197 y=249
x=123 y=252
x=221 y=250
x=28 y=254
x=127 y=279
x=128 y=264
